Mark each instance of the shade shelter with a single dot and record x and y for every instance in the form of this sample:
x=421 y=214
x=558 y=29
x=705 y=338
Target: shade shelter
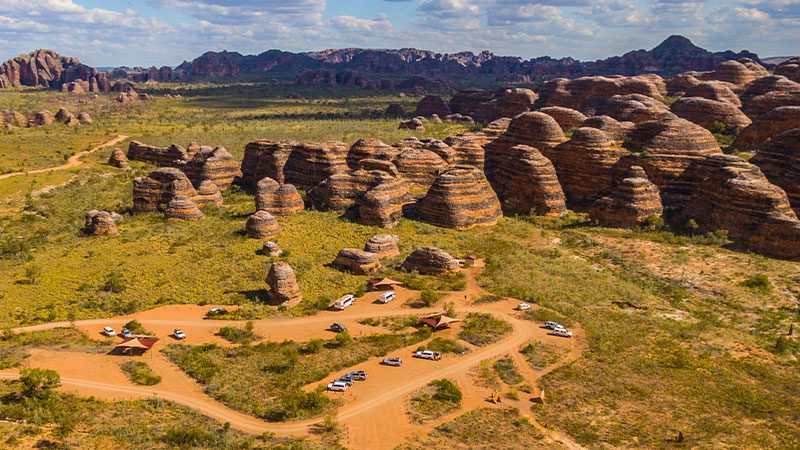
x=439 y=321
x=384 y=284
x=135 y=345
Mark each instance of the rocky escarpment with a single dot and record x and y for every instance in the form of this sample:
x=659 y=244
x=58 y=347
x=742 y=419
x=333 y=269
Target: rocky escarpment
x=460 y=198
x=710 y=114
x=357 y=262
x=632 y=201
x=430 y=261
x=216 y=165
x=304 y=165
x=172 y=156
x=262 y=225
x=767 y=126
x=283 y=287
x=779 y=160
x=101 y=223
x=278 y=199
x=46 y=68
x=737 y=198
x=154 y=192
x=384 y=246
x=526 y=182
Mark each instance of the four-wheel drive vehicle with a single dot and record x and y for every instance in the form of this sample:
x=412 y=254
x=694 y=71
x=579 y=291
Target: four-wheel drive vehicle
x=338 y=328
x=358 y=375
x=213 y=312
x=386 y=297
x=563 y=332
x=523 y=306
x=346 y=380
x=392 y=361
x=108 y=331
x=126 y=333
x=344 y=302
x=178 y=334
x=552 y=325
x=428 y=354
x=337 y=386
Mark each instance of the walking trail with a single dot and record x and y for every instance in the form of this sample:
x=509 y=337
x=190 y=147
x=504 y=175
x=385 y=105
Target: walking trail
x=73 y=161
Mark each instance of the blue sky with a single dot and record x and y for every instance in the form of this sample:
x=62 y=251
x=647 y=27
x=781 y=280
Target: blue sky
x=166 y=32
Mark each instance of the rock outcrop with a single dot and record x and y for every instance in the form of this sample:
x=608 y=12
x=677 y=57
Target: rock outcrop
x=342 y=190
x=789 y=69
x=384 y=246
x=182 y=207
x=119 y=160
x=634 y=108
x=710 y=114
x=779 y=160
x=567 y=118
x=534 y=129
x=768 y=93
x=432 y=104
x=736 y=72
x=680 y=84
x=395 y=110
x=282 y=282
x=42 y=118
x=616 y=131
x=262 y=225
x=303 y=165
x=172 y=156
x=278 y=199
x=526 y=182
x=215 y=165
x=507 y=103
x=370 y=149
x=460 y=198
x=447 y=153
x=85 y=118
x=585 y=94
x=632 y=201
x=419 y=166
x=101 y=223
x=382 y=206
x=154 y=192
x=208 y=193
x=430 y=261
x=767 y=126
x=412 y=124
x=46 y=68
x=271 y=249
x=714 y=90
x=357 y=262
x=468 y=100
x=468 y=148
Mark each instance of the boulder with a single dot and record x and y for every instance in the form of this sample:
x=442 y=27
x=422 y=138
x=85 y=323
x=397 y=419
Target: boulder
x=460 y=198
x=384 y=246
x=565 y=117
x=172 y=156
x=271 y=249
x=278 y=199
x=767 y=126
x=357 y=262
x=118 y=159
x=342 y=190
x=436 y=119
x=63 y=115
x=15 y=118
x=101 y=223
x=215 y=165
x=154 y=192
x=779 y=160
x=412 y=124
x=262 y=225
x=370 y=149
x=265 y=159
x=710 y=114
x=42 y=118
x=419 y=166
x=282 y=282
x=430 y=261
x=454 y=118
x=208 y=193
x=432 y=104
x=714 y=90
x=395 y=110
x=182 y=208
x=632 y=201
x=526 y=183
x=72 y=121
x=85 y=119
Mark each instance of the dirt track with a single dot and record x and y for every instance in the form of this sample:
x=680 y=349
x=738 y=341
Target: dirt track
x=73 y=161
x=373 y=413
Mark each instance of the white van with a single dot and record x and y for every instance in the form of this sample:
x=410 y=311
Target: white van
x=386 y=297
x=344 y=302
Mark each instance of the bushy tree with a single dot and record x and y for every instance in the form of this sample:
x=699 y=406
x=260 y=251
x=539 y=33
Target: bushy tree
x=39 y=383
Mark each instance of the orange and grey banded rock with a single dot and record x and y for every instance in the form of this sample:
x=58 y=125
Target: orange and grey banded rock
x=303 y=165
x=172 y=156
x=382 y=206
x=767 y=126
x=737 y=73
x=182 y=207
x=370 y=149
x=506 y=103
x=767 y=93
x=271 y=249
x=460 y=198
x=779 y=160
x=208 y=193
x=154 y=192
x=118 y=159
x=714 y=90
x=216 y=165
x=534 y=129
x=444 y=151
x=680 y=84
x=357 y=262
x=283 y=287
x=278 y=199
x=634 y=108
x=469 y=149
x=419 y=166
x=616 y=131
x=526 y=182
x=632 y=201
x=430 y=261
x=384 y=246
x=42 y=118
x=101 y=223
x=567 y=118
x=85 y=118
x=710 y=114
x=262 y=225
x=789 y=69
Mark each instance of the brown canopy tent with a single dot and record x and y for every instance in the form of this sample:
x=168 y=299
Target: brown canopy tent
x=384 y=284
x=135 y=345
x=438 y=321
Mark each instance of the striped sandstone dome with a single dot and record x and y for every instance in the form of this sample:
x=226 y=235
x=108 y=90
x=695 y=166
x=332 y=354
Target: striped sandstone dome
x=282 y=282
x=767 y=126
x=183 y=208
x=152 y=193
x=633 y=199
x=262 y=225
x=708 y=113
x=278 y=199
x=460 y=198
x=779 y=160
x=215 y=165
x=526 y=182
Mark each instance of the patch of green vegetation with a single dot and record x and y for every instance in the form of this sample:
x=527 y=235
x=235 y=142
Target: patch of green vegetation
x=507 y=371
x=236 y=335
x=426 y=299
x=487 y=298
x=393 y=323
x=543 y=315
x=483 y=329
x=446 y=282
x=444 y=345
x=540 y=355
x=275 y=372
x=14 y=346
x=137 y=329
x=140 y=373
x=439 y=397
x=758 y=283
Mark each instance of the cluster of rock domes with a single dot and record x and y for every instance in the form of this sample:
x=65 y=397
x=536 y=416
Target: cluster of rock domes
x=11 y=119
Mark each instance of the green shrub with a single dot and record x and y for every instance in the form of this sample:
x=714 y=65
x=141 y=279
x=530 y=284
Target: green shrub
x=237 y=335
x=429 y=298
x=758 y=283
x=343 y=339
x=507 y=371
x=39 y=383
x=136 y=328
x=483 y=329
x=446 y=391
x=140 y=373
x=443 y=345
x=114 y=283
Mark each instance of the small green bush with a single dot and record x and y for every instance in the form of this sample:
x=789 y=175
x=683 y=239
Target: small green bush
x=140 y=373
x=483 y=329
x=758 y=283
x=237 y=335
x=443 y=345
x=39 y=383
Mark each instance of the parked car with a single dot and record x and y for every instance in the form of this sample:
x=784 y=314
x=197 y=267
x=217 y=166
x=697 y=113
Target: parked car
x=386 y=297
x=428 y=354
x=213 y=312
x=108 y=331
x=346 y=380
x=392 y=361
x=523 y=307
x=337 y=386
x=358 y=375
x=344 y=302
x=563 y=332
x=552 y=325
x=126 y=333
x=178 y=334
x=338 y=328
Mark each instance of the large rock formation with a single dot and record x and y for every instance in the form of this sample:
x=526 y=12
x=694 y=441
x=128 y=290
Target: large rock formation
x=779 y=160
x=215 y=165
x=278 y=199
x=447 y=153
x=767 y=126
x=262 y=225
x=357 y=262
x=342 y=190
x=419 y=166
x=616 y=131
x=382 y=206
x=632 y=201
x=767 y=93
x=680 y=84
x=567 y=118
x=154 y=192
x=282 y=282
x=119 y=160
x=468 y=148
x=587 y=164
x=736 y=73
x=588 y=93
x=208 y=193
x=789 y=69
x=468 y=100
x=303 y=165
x=737 y=198
x=42 y=118
x=714 y=90
x=507 y=103
x=710 y=114
x=526 y=182
x=432 y=104
x=430 y=261
x=47 y=68
x=384 y=246
x=172 y=156
x=101 y=223
x=534 y=129
x=634 y=108
x=370 y=149
x=460 y=198
x=183 y=208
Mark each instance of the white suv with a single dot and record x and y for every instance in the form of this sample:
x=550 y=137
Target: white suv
x=563 y=332
x=108 y=331
x=428 y=354
x=337 y=386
